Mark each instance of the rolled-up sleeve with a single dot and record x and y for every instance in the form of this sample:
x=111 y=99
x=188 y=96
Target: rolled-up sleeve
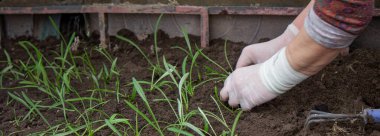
x=336 y=23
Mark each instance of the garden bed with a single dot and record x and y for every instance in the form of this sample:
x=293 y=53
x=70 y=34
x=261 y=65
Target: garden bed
x=347 y=85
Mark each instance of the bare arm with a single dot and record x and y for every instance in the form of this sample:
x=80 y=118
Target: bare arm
x=307 y=56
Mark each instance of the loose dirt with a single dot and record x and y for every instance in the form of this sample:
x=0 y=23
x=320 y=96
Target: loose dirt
x=347 y=85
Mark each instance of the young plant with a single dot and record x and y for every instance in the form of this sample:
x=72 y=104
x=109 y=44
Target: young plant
x=152 y=122
x=157 y=65
x=112 y=121
x=156 y=27
x=214 y=75
x=9 y=70
x=226 y=56
x=32 y=106
x=53 y=76
x=182 y=111
x=109 y=74
x=17 y=119
x=193 y=61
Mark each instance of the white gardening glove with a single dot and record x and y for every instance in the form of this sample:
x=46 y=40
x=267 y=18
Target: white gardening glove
x=245 y=87
x=257 y=84
x=260 y=52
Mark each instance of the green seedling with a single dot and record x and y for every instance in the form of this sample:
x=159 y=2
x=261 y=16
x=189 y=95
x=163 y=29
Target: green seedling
x=27 y=102
x=54 y=77
x=216 y=64
x=189 y=51
x=218 y=102
x=206 y=120
x=193 y=59
x=16 y=121
x=233 y=131
x=137 y=47
x=183 y=114
x=56 y=27
x=112 y=121
x=136 y=125
x=156 y=27
x=9 y=70
x=180 y=131
x=152 y=122
x=157 y=65
x=38 y=69
x=226 y=56
x=180 y=112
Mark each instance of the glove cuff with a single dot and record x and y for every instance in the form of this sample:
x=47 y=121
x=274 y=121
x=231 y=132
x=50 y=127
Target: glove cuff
x=278 y=75
x=293 y=29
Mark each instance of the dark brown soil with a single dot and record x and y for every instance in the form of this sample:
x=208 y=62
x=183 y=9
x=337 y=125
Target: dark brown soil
x=347 y=85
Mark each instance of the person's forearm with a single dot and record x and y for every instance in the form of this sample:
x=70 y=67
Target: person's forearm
x=329 y=28
x=307 y=56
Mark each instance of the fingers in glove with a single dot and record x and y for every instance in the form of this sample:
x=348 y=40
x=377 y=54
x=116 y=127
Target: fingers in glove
x=233 y=100
x=242 y=62
x=244 y=59
x=224 y=92
x=228 y=93
x=246 y=105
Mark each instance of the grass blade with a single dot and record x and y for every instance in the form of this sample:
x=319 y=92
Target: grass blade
x=187 y=39
x=206 y=119
x=141 y=93
x=155 y=37
x=109 y=124
x=179 y=131
x=56 y=27
x=194 y=128
x=137 y=47
x=226 y=56
x=71 y=131
x=133 y=107
x=235 y=123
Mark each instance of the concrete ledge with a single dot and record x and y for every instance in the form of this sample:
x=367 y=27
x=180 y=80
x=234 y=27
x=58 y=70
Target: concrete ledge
x=262 y=20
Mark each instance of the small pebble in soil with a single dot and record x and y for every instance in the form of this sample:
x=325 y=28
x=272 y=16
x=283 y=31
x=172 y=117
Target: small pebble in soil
x=152 y=49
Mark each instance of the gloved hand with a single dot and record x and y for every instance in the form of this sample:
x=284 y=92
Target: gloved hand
x=260 y=52
x=257 y=84
x=245 y=87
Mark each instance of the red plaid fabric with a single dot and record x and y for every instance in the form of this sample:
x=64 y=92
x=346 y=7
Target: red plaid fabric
x=351 y=16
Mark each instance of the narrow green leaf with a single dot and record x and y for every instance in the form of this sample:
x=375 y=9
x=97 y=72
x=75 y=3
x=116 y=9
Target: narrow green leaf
x=71 y=131
x=133 y=107
x=194 y=128
x=109 y=124
x=179 y=131
x=206 y=119
x=235 y=123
